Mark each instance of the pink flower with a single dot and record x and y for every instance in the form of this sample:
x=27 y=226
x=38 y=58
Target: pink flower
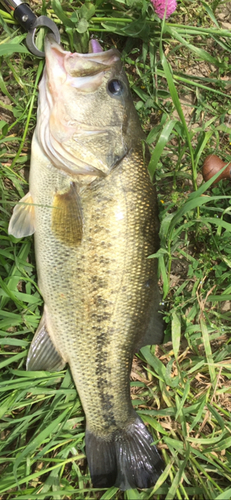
x=161 y=6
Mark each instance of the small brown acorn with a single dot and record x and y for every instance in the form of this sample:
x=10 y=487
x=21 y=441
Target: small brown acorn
x=212 y=165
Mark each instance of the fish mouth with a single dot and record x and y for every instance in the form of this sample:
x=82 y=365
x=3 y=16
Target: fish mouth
x=76 y=65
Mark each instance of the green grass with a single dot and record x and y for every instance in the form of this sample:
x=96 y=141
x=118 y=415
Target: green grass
x=179 y=72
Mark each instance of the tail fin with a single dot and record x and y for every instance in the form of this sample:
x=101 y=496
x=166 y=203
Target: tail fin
x=126 y=459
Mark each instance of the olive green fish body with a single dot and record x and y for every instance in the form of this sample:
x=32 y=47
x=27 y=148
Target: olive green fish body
x=95 y=224
x=97 y=282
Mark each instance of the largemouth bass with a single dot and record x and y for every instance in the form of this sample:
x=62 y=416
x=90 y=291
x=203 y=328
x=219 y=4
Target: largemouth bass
x=93 y=211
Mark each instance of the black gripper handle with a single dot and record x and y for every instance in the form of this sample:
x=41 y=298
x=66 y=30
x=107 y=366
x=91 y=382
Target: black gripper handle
x=25 y=16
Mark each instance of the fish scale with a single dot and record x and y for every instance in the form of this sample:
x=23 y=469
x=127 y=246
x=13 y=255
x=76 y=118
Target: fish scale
x=93 y=210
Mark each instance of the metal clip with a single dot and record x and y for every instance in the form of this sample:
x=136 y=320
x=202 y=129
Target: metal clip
x=30 y=22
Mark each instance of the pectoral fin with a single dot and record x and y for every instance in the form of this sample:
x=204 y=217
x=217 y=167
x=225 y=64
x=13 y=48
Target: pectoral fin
x=22 y=222
x=67 y=222
x=43 y=354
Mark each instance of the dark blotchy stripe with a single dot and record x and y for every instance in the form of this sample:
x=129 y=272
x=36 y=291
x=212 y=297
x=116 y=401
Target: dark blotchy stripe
x=104 y=386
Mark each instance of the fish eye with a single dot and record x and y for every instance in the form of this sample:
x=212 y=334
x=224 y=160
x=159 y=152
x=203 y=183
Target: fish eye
x=115 y=88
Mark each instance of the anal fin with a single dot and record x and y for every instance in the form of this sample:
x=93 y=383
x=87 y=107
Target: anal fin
x=42 y=353
x=22 y=222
